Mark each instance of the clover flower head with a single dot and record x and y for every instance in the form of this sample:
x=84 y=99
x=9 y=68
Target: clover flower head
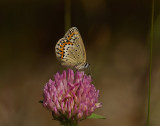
x=70 y=96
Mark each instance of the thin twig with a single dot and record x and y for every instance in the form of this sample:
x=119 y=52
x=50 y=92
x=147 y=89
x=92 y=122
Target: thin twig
x=150 y=71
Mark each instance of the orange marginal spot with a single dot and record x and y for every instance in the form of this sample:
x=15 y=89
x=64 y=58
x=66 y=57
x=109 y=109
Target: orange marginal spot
x=62 y=48
x=71 y=35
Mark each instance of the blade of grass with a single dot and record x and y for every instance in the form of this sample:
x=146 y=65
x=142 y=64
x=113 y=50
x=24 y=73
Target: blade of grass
x=67 y=15
x=150 y=69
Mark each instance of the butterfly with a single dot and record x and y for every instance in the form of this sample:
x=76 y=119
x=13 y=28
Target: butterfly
x=70 y=50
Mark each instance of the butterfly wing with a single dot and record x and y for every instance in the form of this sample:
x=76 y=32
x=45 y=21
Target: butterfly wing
x=74 y=36
x=70 y=49
x=63 y=53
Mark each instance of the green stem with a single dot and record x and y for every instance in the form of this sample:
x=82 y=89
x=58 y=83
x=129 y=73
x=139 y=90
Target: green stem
x=150 y=70
x=70 y=123
x=67 y=15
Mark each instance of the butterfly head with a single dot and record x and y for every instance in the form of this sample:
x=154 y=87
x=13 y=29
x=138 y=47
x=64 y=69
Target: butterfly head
x=82 y=66
x=86 y=65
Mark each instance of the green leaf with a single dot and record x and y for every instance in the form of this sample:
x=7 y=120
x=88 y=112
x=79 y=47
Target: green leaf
x=95 y=116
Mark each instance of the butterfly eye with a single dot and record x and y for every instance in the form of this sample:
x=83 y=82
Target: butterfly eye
x=86 y=65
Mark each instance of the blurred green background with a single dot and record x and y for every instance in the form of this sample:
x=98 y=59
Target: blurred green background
x=116 y=36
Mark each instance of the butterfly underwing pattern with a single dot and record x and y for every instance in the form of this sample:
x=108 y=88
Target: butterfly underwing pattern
x=70 y=50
